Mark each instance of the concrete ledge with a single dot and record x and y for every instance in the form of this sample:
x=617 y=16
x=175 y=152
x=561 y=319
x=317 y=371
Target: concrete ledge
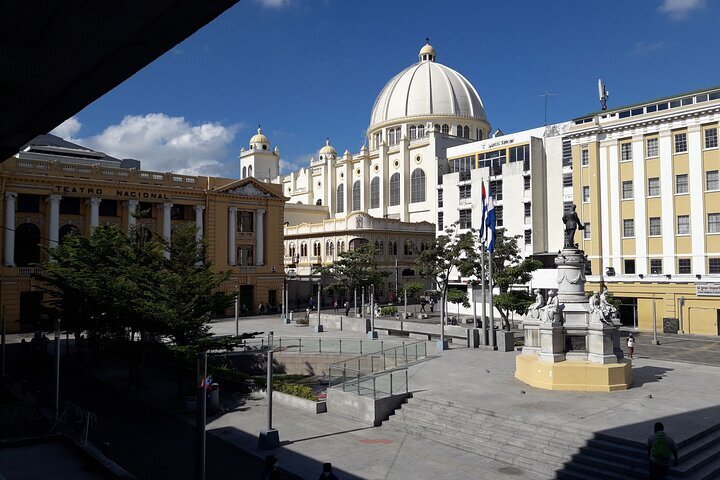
x=573 y=376
x=301 y=403
x=363 y=408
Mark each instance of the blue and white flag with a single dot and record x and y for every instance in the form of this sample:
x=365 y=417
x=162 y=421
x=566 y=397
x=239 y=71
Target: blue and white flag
x=490 y=223
x=483 y=233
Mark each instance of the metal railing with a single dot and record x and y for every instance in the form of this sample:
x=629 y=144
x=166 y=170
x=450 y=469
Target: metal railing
x=351 y=346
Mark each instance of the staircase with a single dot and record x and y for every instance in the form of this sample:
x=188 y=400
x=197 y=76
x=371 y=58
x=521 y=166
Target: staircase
x=550 y=449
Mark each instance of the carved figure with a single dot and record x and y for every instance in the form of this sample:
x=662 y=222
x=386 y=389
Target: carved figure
x=572 y=223
x=534 y=309
x=595 y=303
x=551 y=313
x=608 y=308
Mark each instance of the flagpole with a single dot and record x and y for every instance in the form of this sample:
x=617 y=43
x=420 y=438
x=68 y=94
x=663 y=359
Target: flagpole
x=483 y=338
x=491 y=333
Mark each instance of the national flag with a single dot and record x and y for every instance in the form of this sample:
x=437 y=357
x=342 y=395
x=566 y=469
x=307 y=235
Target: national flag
x=490 y=223
x=483 y=234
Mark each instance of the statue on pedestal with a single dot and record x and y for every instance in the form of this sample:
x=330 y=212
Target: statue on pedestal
x=552 y=312
x=608 y=308
x=572 y=223
x=597 y=310
x=534 y=309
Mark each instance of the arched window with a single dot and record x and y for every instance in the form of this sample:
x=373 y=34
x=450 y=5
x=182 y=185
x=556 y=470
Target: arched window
x=316 y=249
x=341 y=246
x=413 y=132
x=27 y=244
x=244 y=172
x=409 y=248
x=292 y=250
x=421 y=131
x=395 y=189
x=66 y=230
x=391 y=137
x=392 y=247
x=445 y=129
x=340 y=197
x=375 y=192
x=417 y=186
x=466 y=132
x=250 y=171
x=398 y=135
x=303 y=249
x=356 y=195
x=479 y=134
x=379 y=247
x=437 y=127
x=459 y=131
x=319 y=201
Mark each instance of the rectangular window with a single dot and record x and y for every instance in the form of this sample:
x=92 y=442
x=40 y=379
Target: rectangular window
x=177 y=212
x=712 y=182
x=629 y=227
x=146 y=210
x=496 y=188
x=627 y=189
x=493 y=160
x=680 y=142
x=108 y=208
x=711 y=138
x=654 y=187
x=655 y=266
x=526 y=182
x=440 y=197
x=28 y=203
x=441 y=217
x=520 y=154
x=584 y=157
x=681 y=183
x=714 y=265
x=465 y=191
x=499 y=222
x=625 y=152
x=713 y=222
x=629 y=267
x=683 y=225
x=245 y=222
x=586 y=194
x=528 y=237
x=586 y=232
x=652 y=147
x=655 y=226
x=465 y=218
x=566 y=153
x=567 y=180
x=527 y=209
x=684 y=267
x=70 y=206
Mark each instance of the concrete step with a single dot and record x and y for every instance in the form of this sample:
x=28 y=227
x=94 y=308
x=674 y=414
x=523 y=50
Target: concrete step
x=583 y=472
x=628 y=466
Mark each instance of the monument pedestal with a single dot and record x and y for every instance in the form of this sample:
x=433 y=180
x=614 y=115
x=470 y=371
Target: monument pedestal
x=531 y=329
x=552 y=343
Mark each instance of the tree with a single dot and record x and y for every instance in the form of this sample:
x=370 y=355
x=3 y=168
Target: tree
x=411 y=288
x=354 y=269
x=458 y=297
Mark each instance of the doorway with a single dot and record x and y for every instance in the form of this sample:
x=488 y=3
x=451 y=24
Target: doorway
x=246 y=295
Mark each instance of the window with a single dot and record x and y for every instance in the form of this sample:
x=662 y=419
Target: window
x=440 y=197
x=463 y=164
x=329 y=248
x=177 y=212
x=681 y=183
x=66 y=230
x=625 y=152
x=108 y=208
x=292 y=251
x=145 y=210
x=684 y=267
x=526 y=182
x=440 y=225
x=586 y=194
x=652 y=147
x=584 y=157
x=316 y=249
x=28 y=203
x=340 y=198
x=566 y=153
x=375 y=192
x=587 y=233
x=413 y=132
x=653 y=187
x=493 y=160
x=527 y=211
x=69 y=206
x=711 y=138
x=567 y=180
x=627 y=189
x=465 y=218
x=445 y=129
x=656 y=266
x=683 y=225
x=356 y=195
x=417 y=186
x=391 y=136
x=459 y=131
x=629 y=267
x=303 y=249
x=409 y=247
x=245 y=222
x=680 y=142
x=27 y=244
x=379 y=247
x=714 y=265
x=655 y=226
x=712 y=182
x=466 y=132
x=496 y=189
x=465 y=192
x=713 y=222
x=629 y=227
x=420 y=131
x=395 y=189
x=528 y=237
x=520 y=154
x=499 y=222
x=392 y=247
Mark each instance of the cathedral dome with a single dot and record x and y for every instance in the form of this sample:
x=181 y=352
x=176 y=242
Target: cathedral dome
x=259 y=140
x=427 y=88
x=328 y=149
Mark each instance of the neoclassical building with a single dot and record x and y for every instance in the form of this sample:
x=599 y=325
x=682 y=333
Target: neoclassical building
x=53 y=187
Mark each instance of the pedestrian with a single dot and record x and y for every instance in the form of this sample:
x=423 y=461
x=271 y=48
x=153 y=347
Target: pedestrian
x=327 y=473
x=432 y=305
x=347 y=308
x=335 y=305
x=631 y=345
x=269 y=473
x=661 y=447
x=423 y=302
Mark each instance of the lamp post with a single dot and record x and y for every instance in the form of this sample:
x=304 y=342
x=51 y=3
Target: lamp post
x=655 y=338
x=319 y=327
x=237 y=309
x=372 y=334
x=681 y=302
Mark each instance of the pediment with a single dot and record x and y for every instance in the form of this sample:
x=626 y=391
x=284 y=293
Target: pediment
x=249 y=187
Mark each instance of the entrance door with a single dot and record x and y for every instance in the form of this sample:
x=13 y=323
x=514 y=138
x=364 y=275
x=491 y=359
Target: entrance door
x=246 y=297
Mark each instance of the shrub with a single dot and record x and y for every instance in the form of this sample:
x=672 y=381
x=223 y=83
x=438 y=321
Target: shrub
x=388 y=311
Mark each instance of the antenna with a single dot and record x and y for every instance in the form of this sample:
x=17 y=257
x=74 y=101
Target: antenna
x=546 y=95
x=603 y=94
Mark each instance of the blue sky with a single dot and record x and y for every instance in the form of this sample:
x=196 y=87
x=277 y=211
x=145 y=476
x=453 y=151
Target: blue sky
x=306 y=70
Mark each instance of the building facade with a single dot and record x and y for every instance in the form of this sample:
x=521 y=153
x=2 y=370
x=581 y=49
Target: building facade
x=53 y=188
x=645 y=179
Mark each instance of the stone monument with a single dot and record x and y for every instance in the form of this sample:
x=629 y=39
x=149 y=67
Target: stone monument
x=572 y=342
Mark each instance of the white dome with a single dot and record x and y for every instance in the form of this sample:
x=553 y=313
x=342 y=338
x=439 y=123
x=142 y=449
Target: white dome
x=427 y=88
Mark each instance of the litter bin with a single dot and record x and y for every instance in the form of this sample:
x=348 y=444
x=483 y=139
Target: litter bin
x=213 y=400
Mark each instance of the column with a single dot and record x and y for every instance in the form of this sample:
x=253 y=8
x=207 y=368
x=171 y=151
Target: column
x=667 y=201
x=167 y=206
x=232 y=228
x=641 y=243
x=199 y=221
x=94 y=212
x=54 y=225
x=260 y=237
x=132 y=208
x=696 y=181
x=9 y=256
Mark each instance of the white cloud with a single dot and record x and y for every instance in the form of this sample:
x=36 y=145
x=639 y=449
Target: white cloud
x=161 y=142
x=680 y=9
x=274 y=3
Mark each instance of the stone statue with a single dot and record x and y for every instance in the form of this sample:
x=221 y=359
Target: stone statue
x=597 y=310
x=572 y=223
x=608 y=308
x=534 y=309
x=552 y=312
x=595 y=303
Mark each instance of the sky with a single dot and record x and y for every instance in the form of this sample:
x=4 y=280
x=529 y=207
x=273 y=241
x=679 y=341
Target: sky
x=307 y=70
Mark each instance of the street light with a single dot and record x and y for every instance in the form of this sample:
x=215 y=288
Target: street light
x=237 y=309
x=319 y=327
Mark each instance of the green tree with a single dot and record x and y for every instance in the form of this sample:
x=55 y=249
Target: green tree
x=354 y=269
x=458 y=297
x=411 y=288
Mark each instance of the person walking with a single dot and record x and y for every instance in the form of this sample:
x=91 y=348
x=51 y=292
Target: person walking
x=327 y=473
x=661 y=447
x=432 y=305
x=422 y=304
x=631 y=345
x=335 y=305
x=347 y=308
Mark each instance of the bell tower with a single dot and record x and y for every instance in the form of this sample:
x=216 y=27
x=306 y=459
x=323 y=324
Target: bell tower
x=258 y=160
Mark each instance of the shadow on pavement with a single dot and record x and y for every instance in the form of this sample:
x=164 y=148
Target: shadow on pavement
x=648 y=374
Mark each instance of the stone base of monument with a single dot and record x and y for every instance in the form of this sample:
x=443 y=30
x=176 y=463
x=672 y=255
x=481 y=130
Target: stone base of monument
x=581 y=376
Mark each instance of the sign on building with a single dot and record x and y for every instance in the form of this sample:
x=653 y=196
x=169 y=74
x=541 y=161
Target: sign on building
x=707 y=289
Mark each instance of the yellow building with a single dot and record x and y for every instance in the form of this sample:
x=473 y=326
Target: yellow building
x=645 y=180
x=53 y=187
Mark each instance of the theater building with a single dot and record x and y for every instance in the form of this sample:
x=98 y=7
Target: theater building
x=53 y=187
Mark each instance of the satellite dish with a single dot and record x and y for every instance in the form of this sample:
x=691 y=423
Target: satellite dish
x=603 y=94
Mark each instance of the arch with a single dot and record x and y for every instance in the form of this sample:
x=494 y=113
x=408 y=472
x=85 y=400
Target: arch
x=27 y=244
x=379 y=247
x=417 y=186
x=392 y=247
x=413 y=132
x=445 y=129
x=356 y=195
x=319 y=201
x=340 y=198
x=395 y=189
x=421 y=131
x=316 y=249
x=66 y=230
x=250 y=171
x=466 y=132
x=459 y=131
x=340 y=246
x=329 y=248
x=391 y=136
x=357 y=242
x=303 y=249
x=244 y=172
x=409 y=247
x=292 y=250
x=375 y=192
